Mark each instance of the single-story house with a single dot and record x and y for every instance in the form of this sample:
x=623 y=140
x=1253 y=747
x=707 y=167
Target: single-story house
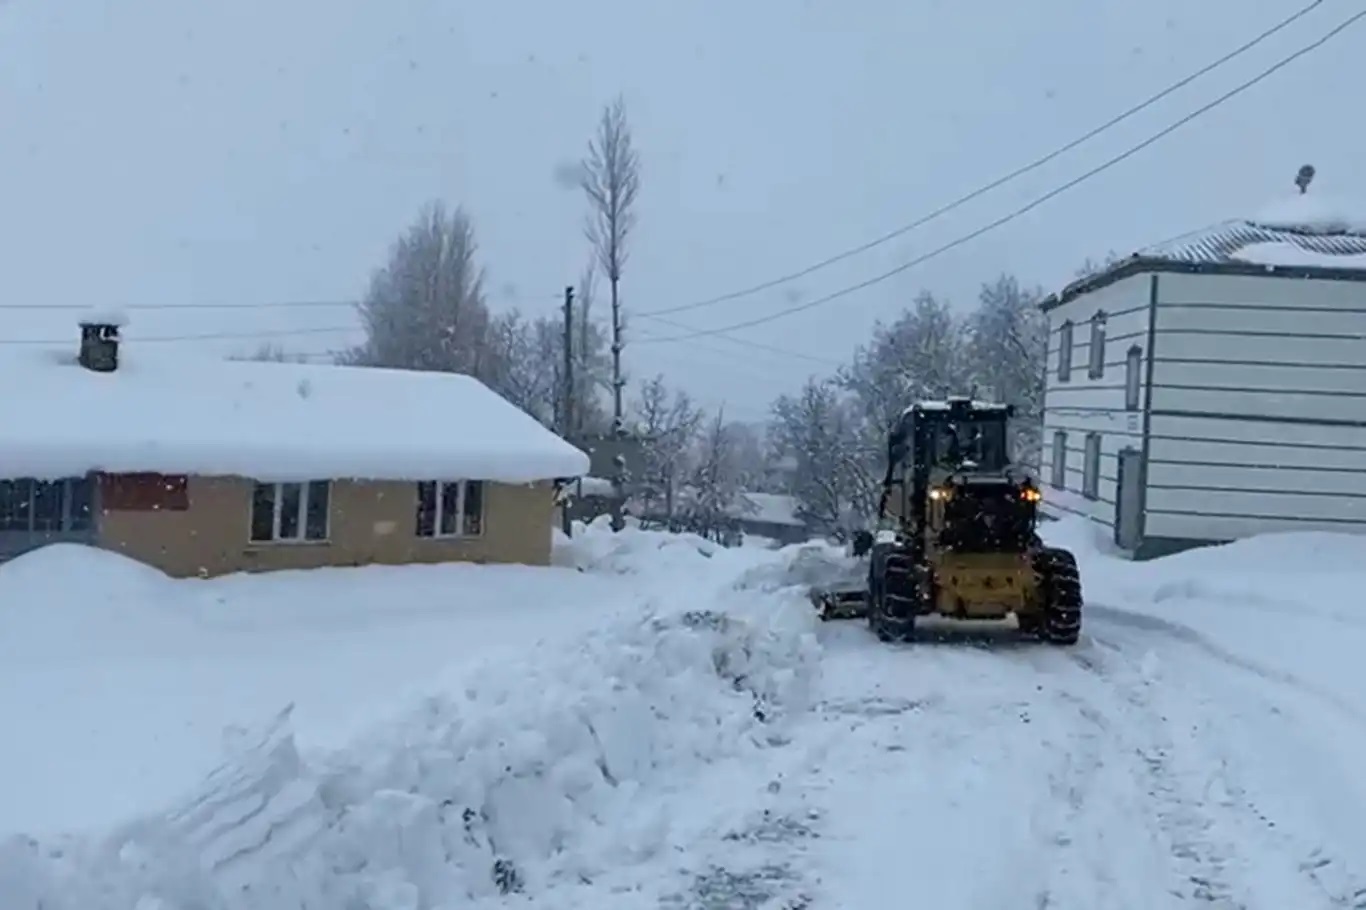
x=775 y=516
x=202 y=467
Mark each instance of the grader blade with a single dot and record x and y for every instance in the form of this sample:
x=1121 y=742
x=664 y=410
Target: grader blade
x=846 y=603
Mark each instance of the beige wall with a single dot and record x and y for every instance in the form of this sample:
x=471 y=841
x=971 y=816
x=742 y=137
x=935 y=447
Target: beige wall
x=370 y=522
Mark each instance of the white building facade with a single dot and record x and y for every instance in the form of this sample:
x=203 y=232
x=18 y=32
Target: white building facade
x=1212 y=391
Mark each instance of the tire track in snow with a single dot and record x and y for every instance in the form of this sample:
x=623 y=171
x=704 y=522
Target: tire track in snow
x=1185 y=634
x=1234 y=849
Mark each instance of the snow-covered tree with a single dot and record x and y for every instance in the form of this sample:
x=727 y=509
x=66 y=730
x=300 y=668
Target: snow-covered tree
x=667 y=423
x=834 y=480
x=716 y=481
x=425 y=309
x=1007 y=339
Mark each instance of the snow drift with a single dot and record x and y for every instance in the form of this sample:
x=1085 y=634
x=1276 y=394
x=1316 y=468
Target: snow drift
x=511 y=776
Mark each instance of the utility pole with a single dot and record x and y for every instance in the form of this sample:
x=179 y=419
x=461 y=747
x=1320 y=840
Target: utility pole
x=567 y=408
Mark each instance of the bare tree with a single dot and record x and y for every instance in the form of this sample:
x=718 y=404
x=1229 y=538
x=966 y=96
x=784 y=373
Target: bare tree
x=425 y=310
x=714 y=507
x=1008 y=338
x=611 y=180
x=667 y=423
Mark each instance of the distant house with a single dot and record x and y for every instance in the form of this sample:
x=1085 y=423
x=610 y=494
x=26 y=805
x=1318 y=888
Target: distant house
x=1214 y=388
x=770 y=515
x=203 y=467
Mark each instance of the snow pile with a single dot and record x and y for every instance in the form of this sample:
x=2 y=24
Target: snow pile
x=1238 y=601
x=270 y=421
x=523 y=777
x=551 y=766
x=140 y=673
x=1308 y=213
x=816 y=563
x=593 y=547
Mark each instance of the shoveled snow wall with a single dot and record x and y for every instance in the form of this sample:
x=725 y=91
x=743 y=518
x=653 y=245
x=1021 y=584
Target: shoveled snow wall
x=508 y=779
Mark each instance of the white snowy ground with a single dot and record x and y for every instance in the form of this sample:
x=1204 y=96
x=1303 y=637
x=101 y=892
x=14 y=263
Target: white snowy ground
x=1201 y=746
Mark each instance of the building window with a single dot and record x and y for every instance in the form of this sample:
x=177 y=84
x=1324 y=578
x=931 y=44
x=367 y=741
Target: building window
x=1065 y=352
x=1059 y=466
x=46 y=506
x=290 y=512
x=450 y=508
x=1096 y=351
x=1090 y=477
x=1133 y=378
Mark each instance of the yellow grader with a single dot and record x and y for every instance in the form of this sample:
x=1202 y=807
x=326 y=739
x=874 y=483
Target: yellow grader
x=958 y=534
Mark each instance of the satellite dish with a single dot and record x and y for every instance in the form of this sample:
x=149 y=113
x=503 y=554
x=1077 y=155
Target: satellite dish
x=1304 y=178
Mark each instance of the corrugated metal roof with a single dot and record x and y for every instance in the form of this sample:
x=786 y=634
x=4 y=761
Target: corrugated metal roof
x=1222 y=242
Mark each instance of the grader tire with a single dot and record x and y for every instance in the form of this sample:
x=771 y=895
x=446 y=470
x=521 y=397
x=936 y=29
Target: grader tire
x=1062 y=600
x=898 y=592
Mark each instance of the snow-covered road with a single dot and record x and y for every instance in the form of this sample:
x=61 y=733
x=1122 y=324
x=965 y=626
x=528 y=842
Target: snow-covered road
x=1190 y=751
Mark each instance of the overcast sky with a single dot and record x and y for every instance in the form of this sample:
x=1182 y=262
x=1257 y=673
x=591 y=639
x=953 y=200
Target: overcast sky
x=268 y=151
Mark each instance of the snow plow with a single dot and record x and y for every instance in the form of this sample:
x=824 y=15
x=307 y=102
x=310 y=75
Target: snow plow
x=958 y=534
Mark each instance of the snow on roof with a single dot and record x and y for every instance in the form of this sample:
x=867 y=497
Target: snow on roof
x=976 y=404
x=1307 y=213
x=767 y=508
x=270 y=421
x=1242 y=241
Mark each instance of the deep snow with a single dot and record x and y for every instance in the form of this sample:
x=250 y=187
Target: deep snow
x=686 y=735
x=180 y=413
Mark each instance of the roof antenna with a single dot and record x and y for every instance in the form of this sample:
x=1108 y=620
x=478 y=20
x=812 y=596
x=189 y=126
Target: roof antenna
x=1304 y=178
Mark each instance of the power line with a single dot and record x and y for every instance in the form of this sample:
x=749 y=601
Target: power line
x=745 y=342
x=1018 y=172
x=1035 y=203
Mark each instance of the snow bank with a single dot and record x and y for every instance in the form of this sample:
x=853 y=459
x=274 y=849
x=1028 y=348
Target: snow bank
x=270 y=421
x=140 y=673
x=552 y=763
x=1309 y=213
x=513 y=779
x=1286 y=606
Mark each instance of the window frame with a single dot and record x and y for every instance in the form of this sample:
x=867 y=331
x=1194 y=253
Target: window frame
x=1090 y=474
x=1065 y=343
x=67 y=523
x=1095 y=360
x=1058 y=468
x=1133 y=378
x=438 y=500
x=301 y=515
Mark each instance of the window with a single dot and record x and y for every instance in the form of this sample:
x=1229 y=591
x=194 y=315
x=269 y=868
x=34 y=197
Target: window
x=1059 y=466
x=1096 y=360
x=290 y=512
x=46 y=506
x=144 y=492
x=1133 y=378
x=452 y=508
x=1065 y=352
x=1090 y=477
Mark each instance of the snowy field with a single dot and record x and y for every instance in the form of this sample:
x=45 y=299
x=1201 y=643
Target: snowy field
x=658 y=722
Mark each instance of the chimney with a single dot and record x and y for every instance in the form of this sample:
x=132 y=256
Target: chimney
x=1304 y=178
x=100 y=341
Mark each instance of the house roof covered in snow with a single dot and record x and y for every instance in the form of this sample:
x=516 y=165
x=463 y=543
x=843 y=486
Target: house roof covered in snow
x=182 y=414
x=1301 y=236
x=767 y=508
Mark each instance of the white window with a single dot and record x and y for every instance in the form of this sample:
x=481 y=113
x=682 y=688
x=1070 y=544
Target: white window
x=1065 y=352
x=1096 y=361
x=1059 y=466
x=290 y=512
x=450 y=508
x=1133 y=378
x=1090 y=477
